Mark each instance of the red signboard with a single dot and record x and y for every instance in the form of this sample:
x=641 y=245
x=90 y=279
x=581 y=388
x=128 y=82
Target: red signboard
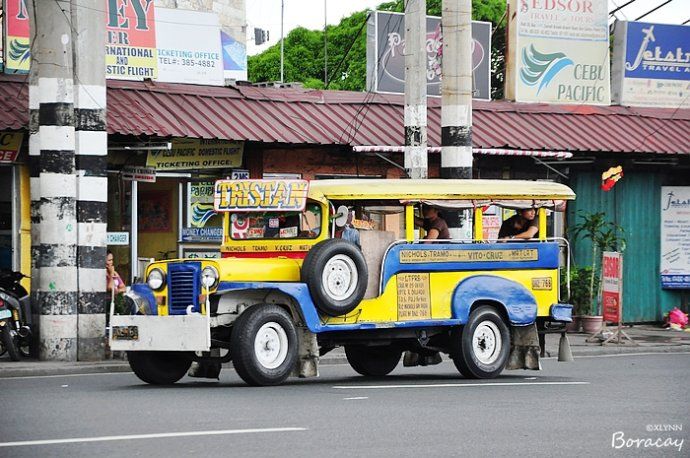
x=130 y=51
x=17 y=47
x=612 y=286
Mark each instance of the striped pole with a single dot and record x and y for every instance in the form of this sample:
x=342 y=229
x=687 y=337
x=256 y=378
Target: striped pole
x=56 y=241
x=456 y=90
x=415 y=89
x=91 y=148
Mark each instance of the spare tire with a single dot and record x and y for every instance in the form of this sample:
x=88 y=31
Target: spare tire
x=336 y=273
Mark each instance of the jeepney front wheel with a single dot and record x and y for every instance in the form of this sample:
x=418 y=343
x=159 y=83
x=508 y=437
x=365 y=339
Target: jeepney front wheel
x=159 y=367
x=264 y=345
x=480 y=348
x=373 y=361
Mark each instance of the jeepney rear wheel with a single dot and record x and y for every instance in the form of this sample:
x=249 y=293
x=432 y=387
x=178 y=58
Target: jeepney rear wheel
x=373 y=361
x=159 y=367
x=336 y=273
x=264 y=345
x=480 y=348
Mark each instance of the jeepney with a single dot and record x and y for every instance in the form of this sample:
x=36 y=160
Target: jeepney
x=290 y=286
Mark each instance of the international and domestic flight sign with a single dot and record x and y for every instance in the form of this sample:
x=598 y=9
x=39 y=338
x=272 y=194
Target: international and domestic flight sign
x=260 y=195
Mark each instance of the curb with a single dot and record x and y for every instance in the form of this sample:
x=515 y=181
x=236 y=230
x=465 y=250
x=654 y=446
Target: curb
x=42 y=369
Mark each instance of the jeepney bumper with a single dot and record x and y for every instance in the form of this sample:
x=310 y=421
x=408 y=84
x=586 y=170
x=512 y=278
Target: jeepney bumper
x=145 y=331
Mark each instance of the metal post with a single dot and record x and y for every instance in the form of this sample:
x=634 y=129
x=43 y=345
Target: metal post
x=134 y=231
x=415 y=89
x=282 y=55
x=456 y=90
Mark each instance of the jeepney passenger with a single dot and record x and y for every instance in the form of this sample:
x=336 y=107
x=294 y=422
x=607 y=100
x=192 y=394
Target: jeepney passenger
x=434 y=225
x=523 y=225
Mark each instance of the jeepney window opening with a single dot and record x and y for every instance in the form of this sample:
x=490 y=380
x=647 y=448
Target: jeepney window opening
x=272 y=225
x=386 y=215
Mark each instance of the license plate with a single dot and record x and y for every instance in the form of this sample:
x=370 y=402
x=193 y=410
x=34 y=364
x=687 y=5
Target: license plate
x=542 y=284
x=5 y=314
x=126 y=333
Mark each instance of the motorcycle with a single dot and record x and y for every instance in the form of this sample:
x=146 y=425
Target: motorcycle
x=15 y=316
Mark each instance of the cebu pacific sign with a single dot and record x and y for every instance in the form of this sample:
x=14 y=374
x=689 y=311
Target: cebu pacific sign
x=560 y=52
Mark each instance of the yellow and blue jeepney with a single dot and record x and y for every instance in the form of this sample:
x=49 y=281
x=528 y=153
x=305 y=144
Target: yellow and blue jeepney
x=294 y=283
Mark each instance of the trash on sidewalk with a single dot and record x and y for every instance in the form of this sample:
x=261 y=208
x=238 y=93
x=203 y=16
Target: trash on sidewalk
x=676 y=319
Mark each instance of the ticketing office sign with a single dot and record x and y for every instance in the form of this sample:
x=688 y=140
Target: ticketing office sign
x=260 y=195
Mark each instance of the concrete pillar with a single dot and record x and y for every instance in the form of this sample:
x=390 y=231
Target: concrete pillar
x=415 y=89
x=91 y=148
x=456 y=90
x=54 y=179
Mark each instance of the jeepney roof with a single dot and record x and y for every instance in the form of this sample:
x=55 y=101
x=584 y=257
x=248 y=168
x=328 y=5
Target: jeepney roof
x=438 y=189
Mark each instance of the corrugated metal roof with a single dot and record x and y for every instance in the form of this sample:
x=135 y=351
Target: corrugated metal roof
x=302 y=116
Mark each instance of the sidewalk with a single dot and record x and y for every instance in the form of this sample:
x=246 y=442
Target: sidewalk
x=650 y=339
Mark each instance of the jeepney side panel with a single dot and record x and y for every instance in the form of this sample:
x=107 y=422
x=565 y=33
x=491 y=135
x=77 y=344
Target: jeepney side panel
x=521 y=276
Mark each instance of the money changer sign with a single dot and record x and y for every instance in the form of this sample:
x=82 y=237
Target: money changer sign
x=194 y=153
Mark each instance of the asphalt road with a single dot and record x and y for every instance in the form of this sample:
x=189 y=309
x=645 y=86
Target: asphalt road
x=568 y=409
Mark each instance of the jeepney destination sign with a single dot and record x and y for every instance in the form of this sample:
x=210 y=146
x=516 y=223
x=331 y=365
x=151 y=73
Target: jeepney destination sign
x=260 y=195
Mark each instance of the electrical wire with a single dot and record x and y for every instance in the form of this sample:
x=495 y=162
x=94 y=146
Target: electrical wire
x=653 y=10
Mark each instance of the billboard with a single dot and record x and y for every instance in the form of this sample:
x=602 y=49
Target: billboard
x=675 y=237
x=188 y=44
x=17 y=55
x=386 y=58
x=651 y=65
x=559 y=52
x=234 y=57
x=130 y=46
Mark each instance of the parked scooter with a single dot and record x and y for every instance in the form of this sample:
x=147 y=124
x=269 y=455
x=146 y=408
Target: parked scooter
x=15 y=315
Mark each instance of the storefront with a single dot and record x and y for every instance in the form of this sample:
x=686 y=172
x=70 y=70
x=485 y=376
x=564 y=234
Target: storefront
x=15 y=238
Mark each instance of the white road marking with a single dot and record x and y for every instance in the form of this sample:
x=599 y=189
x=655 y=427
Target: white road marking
x=356 y=398
x=149 y=436
x=452 y=385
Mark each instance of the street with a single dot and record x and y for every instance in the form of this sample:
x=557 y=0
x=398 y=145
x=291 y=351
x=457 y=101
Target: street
x=585 y=407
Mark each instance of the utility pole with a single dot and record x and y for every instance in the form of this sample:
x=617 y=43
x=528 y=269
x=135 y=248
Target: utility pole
x=53 y=178
x=282 y=55
x=456 y=98
x=325 y=43
x=415 y=89
x=456 y=90
x=67 y=157
x=91 y=141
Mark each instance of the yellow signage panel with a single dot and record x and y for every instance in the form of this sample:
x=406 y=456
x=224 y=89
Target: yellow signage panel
x=260 y=195
x=9 y=146
x=196 y=153
x=414 y=297
x=421 y=256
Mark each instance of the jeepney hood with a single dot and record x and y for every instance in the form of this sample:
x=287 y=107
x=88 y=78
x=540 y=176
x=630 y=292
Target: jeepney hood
x=259 y=270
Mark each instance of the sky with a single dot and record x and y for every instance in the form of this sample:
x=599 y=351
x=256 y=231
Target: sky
x=265 y=14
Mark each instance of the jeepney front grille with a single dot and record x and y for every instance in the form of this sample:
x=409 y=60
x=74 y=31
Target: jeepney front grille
x=183 y=287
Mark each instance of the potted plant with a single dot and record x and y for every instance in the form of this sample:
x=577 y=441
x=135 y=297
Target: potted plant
x=580 y=279
x=604 y=235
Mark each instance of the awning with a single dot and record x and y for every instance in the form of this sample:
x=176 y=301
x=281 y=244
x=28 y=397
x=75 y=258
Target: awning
x=486 y=151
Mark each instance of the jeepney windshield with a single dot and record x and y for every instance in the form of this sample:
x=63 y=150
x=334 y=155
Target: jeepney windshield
x=276 y=225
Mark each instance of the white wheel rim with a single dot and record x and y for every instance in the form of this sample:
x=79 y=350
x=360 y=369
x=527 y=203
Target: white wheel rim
x=271 y=345
x=339 y=277
x=487 y=342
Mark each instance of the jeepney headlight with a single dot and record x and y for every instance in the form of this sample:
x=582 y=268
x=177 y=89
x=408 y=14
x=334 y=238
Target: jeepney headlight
x=156 y=279
x=209 y=277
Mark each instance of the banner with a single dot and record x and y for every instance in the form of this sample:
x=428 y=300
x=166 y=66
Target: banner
x=612 y=286
x=386 y=57
x=559 y=52
x=17 y=46
x=651 y=64
x=10 y=142
x=188 y=44
x=234 y=58
x=197 y=154
x=675 y=237
x=130 y=50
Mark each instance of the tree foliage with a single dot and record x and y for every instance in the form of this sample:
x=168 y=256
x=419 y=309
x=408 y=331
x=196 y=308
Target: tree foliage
x=304 y=50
